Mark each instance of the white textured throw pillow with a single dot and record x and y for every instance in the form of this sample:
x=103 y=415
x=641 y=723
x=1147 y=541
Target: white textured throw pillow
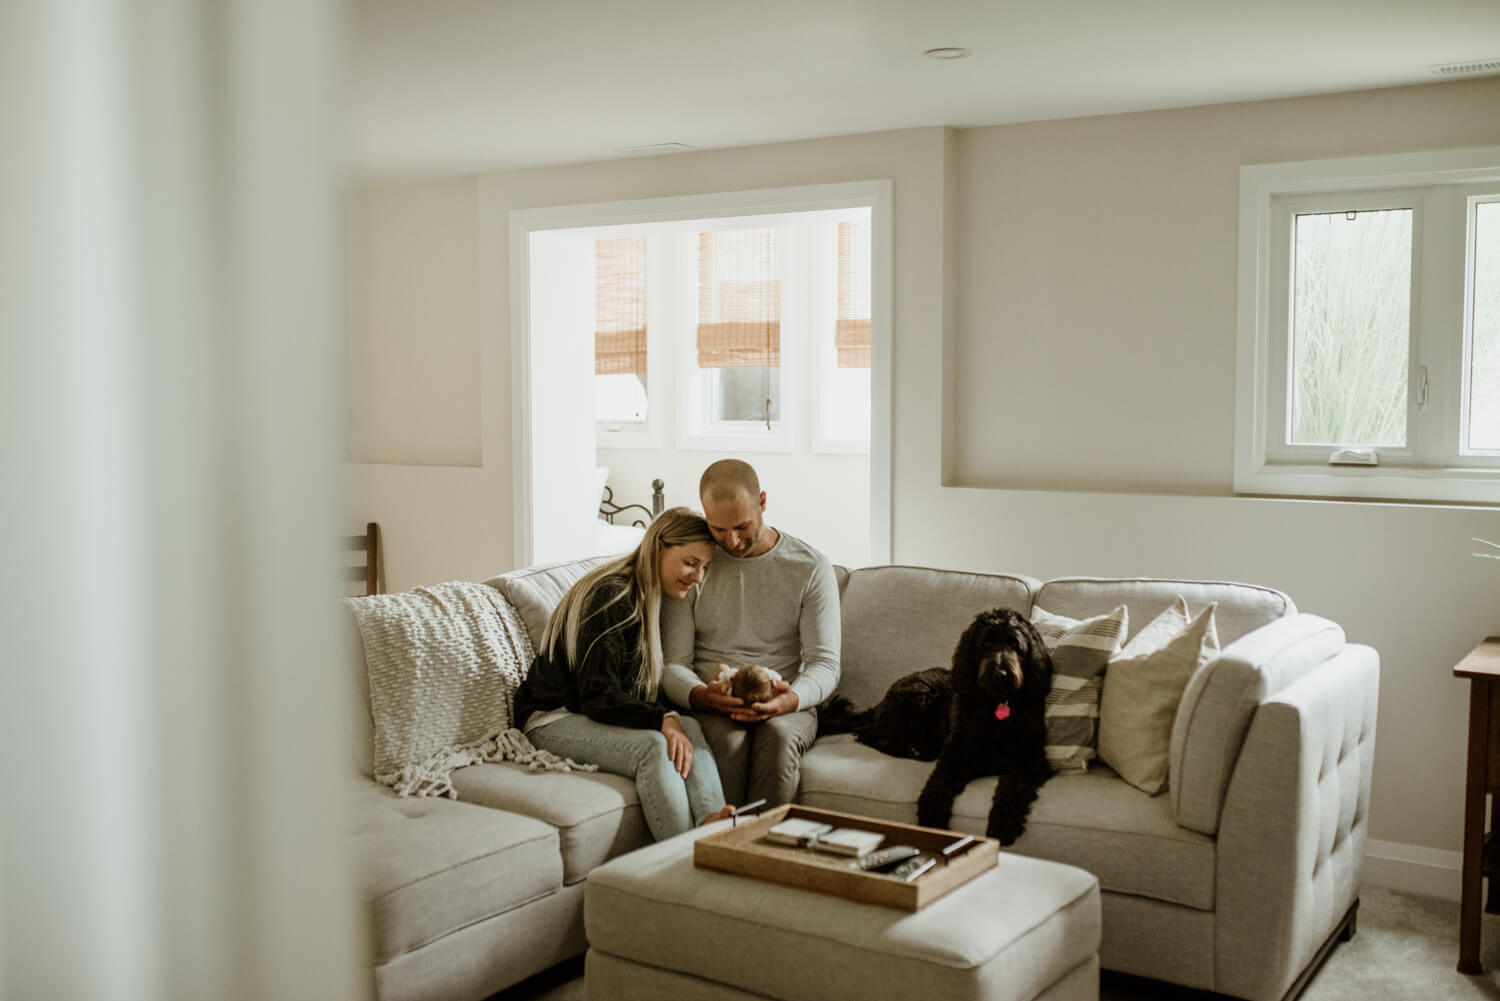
x=1080 y=648
x=1143 y=686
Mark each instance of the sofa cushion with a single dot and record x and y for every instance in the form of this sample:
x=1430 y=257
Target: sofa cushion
x=1094 y=821
x=1220 y=700
x=428 y=866
x=1142 y=688
x=536 y=591
x=1079 y=649
x=1242 y=607
x=597 y=815
x=902 y=619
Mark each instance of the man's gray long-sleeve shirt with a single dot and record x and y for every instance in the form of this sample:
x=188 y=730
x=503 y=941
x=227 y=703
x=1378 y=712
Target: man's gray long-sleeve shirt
x=779 y=610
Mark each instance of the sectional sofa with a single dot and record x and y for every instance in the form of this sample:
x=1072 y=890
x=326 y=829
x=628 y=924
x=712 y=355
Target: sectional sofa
x=1236 y=880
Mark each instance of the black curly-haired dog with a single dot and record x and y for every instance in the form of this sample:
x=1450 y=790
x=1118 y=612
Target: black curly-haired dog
x=985 y=716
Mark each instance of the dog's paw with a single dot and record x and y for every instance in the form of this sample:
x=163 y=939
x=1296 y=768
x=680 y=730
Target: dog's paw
x=934 y=810
x=934 y=819
x=1005 y=828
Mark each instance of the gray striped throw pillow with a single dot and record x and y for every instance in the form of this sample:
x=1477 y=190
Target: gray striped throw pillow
x=1080 y=649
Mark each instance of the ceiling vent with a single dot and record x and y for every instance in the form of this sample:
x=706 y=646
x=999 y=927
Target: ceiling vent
x=1477 y=67
x=650 y=148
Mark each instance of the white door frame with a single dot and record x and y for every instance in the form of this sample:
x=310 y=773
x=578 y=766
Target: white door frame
x=874 y=194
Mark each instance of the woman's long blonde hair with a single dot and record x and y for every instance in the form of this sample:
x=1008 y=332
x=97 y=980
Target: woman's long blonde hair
x=676 y=526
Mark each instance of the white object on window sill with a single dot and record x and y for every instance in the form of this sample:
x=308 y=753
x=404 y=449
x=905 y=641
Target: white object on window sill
x=1354 y=457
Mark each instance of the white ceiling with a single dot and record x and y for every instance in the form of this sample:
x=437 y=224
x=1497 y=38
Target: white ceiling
x=439 y=86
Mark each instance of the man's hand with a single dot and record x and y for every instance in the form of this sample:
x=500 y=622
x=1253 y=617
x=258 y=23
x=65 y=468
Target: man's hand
x=714 y=698
x=784 y=701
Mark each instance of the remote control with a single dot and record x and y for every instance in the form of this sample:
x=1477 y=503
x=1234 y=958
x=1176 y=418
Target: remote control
x=913 y=867
x=883 y=858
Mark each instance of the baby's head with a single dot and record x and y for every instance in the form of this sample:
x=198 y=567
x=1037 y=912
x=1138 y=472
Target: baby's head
x=752 y=684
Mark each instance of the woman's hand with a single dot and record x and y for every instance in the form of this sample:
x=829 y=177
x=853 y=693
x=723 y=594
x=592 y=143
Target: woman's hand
x=679 y=748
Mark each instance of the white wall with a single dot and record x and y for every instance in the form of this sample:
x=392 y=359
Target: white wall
x=414 y=389
x=1097 y=262
x=1063 y=387
x=441 y=521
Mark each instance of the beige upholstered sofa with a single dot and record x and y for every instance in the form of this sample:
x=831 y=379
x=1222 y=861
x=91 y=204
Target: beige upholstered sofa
x=1233 y=880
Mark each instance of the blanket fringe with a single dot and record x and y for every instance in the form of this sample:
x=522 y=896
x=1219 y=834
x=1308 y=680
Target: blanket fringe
x=434 y=777
x=515 y=747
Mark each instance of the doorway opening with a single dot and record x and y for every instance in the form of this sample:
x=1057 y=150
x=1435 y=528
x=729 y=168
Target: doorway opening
x=652 y=338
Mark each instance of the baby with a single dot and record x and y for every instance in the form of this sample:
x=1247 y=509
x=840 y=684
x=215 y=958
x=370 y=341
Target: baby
x=751 y=684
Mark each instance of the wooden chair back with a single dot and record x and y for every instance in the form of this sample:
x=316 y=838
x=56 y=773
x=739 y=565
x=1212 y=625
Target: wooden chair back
x=366 y=568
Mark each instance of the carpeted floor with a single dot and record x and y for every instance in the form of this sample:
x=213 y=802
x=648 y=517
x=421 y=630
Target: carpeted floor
x=1405 y=949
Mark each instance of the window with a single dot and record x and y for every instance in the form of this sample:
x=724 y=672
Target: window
x=738 y=331
x=749 y=333
x=778 y=357
x=842 y=361
x=1369 y=309
x=620 y=399
x=1481 y=406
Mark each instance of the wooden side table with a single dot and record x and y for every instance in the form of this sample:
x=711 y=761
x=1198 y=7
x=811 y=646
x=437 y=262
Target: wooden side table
x=1481 y=851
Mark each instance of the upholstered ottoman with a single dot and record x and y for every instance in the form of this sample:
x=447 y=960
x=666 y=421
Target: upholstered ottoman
x=660 y=928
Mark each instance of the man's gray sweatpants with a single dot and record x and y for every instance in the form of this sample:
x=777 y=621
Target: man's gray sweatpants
x=760 y=759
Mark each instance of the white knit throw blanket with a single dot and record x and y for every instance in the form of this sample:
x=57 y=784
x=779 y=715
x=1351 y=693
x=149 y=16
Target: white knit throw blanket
x=444 y=665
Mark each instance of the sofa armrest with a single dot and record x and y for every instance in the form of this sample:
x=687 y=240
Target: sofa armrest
x=1293 y=829
x=1220 y=701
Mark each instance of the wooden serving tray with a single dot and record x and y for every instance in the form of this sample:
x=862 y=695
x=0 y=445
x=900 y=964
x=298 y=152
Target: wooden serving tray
x=744 y=851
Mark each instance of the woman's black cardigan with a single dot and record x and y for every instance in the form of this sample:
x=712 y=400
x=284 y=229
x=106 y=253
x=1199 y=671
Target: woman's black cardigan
x=602 y=687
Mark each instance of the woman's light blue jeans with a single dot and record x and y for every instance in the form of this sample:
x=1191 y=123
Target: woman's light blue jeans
x=671 y=804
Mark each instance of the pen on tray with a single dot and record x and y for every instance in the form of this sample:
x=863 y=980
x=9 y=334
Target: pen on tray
x=734 y=818
x=955 y=847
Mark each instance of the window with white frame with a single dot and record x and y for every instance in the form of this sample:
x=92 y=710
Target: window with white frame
x=1370 y=328
x=841 y=422
x=735 y=381
x=620 y=354
x=767 y=322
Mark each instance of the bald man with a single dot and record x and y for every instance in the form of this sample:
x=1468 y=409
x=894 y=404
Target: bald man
x=774 y=603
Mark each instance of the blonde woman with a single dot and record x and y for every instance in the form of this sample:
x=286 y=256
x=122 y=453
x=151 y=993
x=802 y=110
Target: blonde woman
x=593 y=691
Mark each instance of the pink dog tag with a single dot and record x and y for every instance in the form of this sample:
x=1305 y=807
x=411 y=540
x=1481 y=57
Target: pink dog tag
x=1002 y=711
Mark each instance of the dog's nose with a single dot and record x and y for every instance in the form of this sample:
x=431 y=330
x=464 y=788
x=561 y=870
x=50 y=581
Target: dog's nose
x=1010 y=664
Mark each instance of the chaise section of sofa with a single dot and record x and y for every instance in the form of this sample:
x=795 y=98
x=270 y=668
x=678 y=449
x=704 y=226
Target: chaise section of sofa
x=465 y=898
x=446 y=884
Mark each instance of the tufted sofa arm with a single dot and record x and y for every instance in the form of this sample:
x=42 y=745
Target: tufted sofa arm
x=1293 y=828
x=1221 y=700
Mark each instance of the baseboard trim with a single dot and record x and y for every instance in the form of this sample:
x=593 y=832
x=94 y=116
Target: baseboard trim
x=1412 y=869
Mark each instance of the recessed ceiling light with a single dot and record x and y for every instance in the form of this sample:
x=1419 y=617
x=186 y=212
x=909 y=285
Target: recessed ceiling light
x=946 y=52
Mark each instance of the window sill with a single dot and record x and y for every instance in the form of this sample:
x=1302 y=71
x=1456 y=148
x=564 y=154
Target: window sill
x=625 y=437
x=1378 y=483
x=722 y=442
